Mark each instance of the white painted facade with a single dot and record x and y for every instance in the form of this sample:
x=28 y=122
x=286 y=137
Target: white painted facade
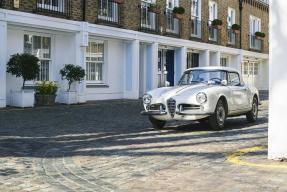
x=130 y=57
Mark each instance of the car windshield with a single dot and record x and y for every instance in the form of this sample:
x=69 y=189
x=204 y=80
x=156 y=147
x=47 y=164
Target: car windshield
x=202 y=76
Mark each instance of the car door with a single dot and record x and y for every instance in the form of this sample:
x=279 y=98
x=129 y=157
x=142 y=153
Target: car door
x=239 y=93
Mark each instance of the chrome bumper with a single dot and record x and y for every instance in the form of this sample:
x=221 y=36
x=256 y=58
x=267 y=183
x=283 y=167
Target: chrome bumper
x=153 y=113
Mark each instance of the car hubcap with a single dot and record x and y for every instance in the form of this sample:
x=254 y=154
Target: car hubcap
x=220 y=115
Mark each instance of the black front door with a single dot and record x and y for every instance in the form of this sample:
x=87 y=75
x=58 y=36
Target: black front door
x=170 y=66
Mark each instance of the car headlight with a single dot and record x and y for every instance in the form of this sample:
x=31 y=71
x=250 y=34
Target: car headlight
x=147 y=99
x=201 y=98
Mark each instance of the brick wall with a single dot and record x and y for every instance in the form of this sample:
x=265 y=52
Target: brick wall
x=130 y=16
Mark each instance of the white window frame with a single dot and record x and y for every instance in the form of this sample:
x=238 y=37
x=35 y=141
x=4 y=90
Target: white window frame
x=46 y=59
x=104 y=63
x=174 y=3
x=231 y=17
x=196 y=15
x=50 y=6
x=226 y=59
x=115 y=14
x=254 y=24
x=152 y=16
x=213 y=11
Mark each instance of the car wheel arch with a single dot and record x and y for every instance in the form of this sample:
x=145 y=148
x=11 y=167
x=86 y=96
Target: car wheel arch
x=225 y=103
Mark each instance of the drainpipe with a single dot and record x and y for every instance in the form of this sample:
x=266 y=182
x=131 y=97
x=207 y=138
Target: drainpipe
x=84 y=10
x=240 y=13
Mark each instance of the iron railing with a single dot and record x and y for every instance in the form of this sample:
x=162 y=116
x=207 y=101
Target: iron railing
x=59 y=7
x=148 y=20
x=2 y=3
x=108 y=12
x=173 y=25
x=255 y=43
x=196 y=27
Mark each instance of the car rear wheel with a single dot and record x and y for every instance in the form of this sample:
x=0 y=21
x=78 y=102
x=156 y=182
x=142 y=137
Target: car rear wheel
x=156 y=124
x=217 y=120
x=252 y=115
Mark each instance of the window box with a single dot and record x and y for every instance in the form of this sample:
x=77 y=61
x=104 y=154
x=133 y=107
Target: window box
x=23 y=98
x=154 y=8
x=119 y=1
x=178 y=12
x=217 y=23
x=236 y=28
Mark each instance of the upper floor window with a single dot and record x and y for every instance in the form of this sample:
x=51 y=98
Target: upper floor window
x=196 y=8
x=255 y=24
x=212 y=10
x=40 y=47
x=148 y=19
x=231 y=17
x=95 y=61
x=54 y=5
x=108 y=10
x=170 y=4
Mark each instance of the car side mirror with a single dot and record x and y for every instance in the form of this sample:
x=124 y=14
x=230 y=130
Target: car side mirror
x=224 y=82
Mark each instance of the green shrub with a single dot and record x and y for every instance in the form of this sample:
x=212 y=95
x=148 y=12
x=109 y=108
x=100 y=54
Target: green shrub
x=47 y=88
x=216 y=22
x=72 y=73
x=24 y=65
x=260 y=34
x=235 y=27
x=178 y=10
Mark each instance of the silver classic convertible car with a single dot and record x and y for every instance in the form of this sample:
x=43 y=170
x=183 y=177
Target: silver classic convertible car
x=205 y=94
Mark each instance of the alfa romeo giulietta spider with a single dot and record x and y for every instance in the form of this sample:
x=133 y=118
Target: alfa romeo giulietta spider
x=205 y=94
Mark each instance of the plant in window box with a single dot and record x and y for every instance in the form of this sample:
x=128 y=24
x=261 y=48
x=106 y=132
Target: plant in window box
x=154 y=8
x=178 y=12
x=119 y=1
x=71 y=73
x=217 y=23
x=260 y=35
x=236 y=28
x=46 y=93
x=26 y=66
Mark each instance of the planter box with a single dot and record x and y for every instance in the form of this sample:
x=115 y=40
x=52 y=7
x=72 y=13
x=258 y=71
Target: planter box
x=154 y=10
x=70 y=97
x=178 y=16
x=23 y=98
x=44 y=100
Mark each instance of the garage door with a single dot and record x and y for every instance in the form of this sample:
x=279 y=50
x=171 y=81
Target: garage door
x=250 y=71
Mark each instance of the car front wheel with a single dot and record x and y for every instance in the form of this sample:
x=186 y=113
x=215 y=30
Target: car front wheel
x=217 y=120
x=156 y=124
x=252 y=115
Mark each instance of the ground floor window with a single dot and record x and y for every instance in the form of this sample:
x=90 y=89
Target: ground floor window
x=95 y=61
x=224 y=62
x=40 y=47
x=192 y=60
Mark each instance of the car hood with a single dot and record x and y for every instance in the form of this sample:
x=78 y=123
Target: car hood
x=167 y=92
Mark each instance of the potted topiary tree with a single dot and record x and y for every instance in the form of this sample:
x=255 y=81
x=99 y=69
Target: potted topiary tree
x=46 y=93
x=26 y=66
x=178 y=12
x=217 y=23
x=236 y=28
x=154 y=8
x=71 y=73
x=260 y=35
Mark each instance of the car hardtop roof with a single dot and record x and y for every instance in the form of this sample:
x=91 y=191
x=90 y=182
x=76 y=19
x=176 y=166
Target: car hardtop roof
x=229 y=69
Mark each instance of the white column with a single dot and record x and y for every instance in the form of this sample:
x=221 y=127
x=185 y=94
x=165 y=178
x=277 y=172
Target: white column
x=152 y=66
x=215 y=58
x=180 y=62
x=82 y=41
x=277 y=131
x=131 y=84
x=236 y=62
x=204 y=58
x=3 y=61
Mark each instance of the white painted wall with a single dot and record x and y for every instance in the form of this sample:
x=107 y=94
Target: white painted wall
x=277 y=131
x=114 y=61
x=204 y=58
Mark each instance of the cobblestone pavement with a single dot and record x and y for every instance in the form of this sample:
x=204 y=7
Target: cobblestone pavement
x=108 y=146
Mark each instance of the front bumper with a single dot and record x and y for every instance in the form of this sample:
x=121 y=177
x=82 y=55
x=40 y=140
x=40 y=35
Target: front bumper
x=154 y=113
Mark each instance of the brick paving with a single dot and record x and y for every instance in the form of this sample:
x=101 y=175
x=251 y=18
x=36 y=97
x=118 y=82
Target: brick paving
x=108 y=146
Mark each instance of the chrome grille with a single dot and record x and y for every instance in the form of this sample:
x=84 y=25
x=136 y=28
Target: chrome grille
x=171 y=104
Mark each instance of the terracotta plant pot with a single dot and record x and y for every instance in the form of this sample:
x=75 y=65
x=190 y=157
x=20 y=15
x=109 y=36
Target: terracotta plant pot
x=219 y=27
x=178 y=16
x=236 y=31
x=119 y=1
x=154 y=10
x=44 y=100
x=259 y=38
